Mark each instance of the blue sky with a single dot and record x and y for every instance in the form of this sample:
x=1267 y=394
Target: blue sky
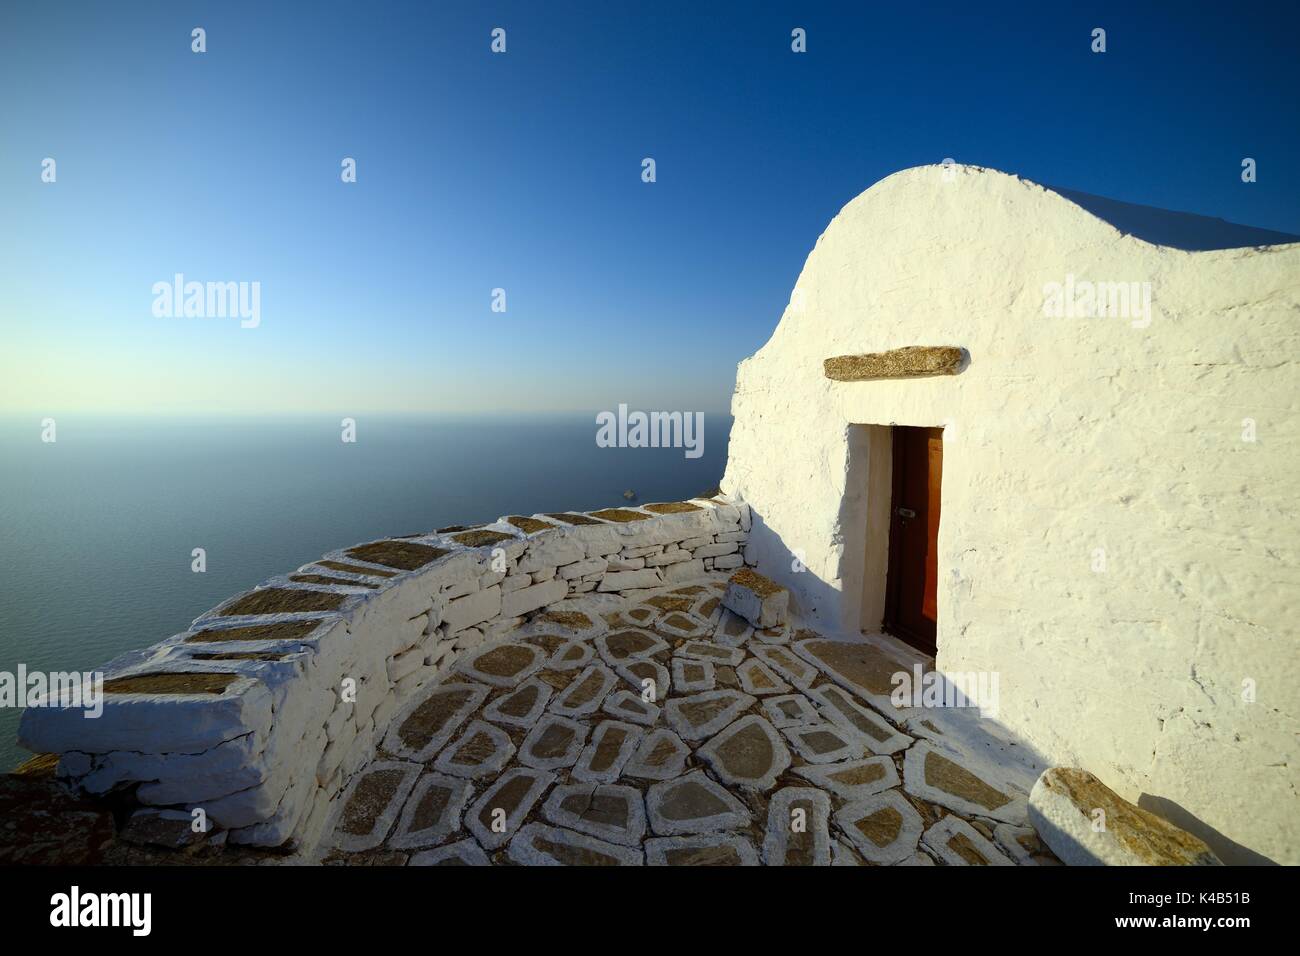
x=522 y=171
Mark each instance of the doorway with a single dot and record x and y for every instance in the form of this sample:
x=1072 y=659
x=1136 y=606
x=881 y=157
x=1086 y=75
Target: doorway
x=911 y=589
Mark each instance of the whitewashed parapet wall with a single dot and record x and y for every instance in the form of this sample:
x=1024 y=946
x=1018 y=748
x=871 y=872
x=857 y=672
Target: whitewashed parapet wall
x=247 y=714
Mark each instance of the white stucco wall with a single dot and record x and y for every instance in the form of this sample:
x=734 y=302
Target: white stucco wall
x=1063 y=436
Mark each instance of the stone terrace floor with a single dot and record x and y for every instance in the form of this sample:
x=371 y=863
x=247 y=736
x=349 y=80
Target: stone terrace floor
x=668 y=732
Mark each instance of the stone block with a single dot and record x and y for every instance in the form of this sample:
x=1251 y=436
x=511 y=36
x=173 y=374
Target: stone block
x=472 y=609
x=531 y=598
x=630 y=580
x=759 y=600
x=1067 y=805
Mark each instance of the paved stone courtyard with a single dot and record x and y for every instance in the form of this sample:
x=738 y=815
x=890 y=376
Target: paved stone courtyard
x=667 y=731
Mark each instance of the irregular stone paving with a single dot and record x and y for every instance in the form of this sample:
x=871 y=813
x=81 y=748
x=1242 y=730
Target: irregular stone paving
x=610 y=749
x=522 y=706
x=501 y=809
x=873 y=729
x=432 y=812
x=482 y=751
x=609 y=811
x=629 y=706
x=710 y=849
x=822 y=743
x=646 y=675
x=664 y=730
x=757 y=678
x=504 y=665
x=690 y=676
x=419 y=732
x=571 y=656
x=586 y=693
x=957 y=843
x=553 y=742
x=749 y=753
x=464 y=853
x=699 y=717
x=798 y=833
x=790 y=711
x=661 y=756
x=538 y=845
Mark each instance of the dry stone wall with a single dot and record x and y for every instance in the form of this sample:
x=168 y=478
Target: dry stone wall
x=261 y=712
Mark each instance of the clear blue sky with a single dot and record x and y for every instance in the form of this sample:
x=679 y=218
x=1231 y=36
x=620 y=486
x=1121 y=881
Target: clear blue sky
x=522 y=171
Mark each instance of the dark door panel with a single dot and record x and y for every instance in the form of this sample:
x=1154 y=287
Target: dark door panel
x=911 y=597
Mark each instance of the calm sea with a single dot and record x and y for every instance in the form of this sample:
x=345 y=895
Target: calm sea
x=97 y=528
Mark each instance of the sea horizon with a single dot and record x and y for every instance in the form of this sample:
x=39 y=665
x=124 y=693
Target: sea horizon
x=102 y=522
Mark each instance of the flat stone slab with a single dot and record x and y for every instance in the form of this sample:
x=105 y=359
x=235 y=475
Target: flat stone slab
x=568 y=622
x=481 y=751
x=748 y=753
x=790 y=711
x=957 y=843
x=709 y=609
x=1063 y=807
x=422 y=727
x=1020 y=843
x=693 y=804
x=939 y=777
x=884 y=828
x=571 y=655
x=727 y=679
x=779 y=658
x=773 y=635
x=877 y=734
x=682 y=624
x=627 y=644
x=540 y=845
x=798 y=834
x=464 y=853
x=503 y=665
x=703 y=715
x=642 y=615
x=637 y=672
x=823 y=743
x=860 y=667
x=910 y=361
x=611 y=747
x=497 y=814
x=372 y=802
x=432 y=812
x=690 y=676
x=714 y=653
x=522 y=706
x=671 y=602
x=553 y=742
x=629 y=706
x=607 y=811
x=853 y=780
x=758 y=679
x=585 y=694
x=661 y=755
x=732 y=630
x=708 y=849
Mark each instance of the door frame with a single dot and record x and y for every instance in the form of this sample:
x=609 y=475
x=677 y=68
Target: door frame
x=890 y=623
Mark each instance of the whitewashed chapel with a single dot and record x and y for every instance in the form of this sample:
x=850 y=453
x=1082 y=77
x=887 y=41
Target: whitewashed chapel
x=1081 y=475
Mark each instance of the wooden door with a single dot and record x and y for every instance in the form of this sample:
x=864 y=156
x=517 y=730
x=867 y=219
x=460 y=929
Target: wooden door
x=911 y=606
